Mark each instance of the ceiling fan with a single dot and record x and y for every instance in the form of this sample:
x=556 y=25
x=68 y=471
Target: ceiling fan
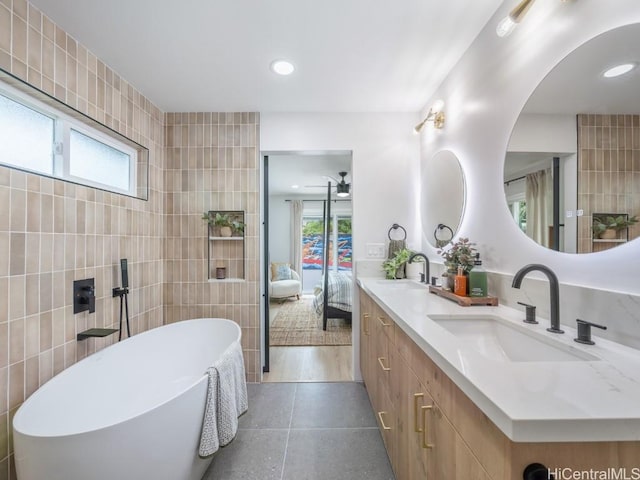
x=342 y=187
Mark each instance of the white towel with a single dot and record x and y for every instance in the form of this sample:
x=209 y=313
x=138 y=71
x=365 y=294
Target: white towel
x=226 y=401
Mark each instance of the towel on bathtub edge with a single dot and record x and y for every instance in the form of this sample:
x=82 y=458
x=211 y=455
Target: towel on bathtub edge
x=226 y=400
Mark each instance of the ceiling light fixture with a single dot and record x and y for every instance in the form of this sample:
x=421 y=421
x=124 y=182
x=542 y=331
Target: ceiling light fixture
x=342 y=188
x=508 y=23
x=435 y=115
x=282 y=67
x=619 y=70
x=295 y=186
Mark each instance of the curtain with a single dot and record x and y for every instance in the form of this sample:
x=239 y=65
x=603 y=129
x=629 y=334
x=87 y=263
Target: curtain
x=296 y=235
x=539 y=198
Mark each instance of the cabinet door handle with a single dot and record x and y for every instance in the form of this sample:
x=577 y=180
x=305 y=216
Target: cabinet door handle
x=381 y=318
x=425 y=443
x=386 y=369
x=365 y=322
x=384 y=427
x=416 y=422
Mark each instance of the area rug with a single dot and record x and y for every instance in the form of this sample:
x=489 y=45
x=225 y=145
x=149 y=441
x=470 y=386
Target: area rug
x=296 y=324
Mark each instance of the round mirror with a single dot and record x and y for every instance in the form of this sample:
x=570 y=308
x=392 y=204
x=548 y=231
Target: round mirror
x=443 y=196
x=572 y=168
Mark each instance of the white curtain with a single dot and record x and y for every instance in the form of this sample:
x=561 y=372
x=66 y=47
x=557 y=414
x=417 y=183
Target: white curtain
x=296 y=235
x=539 y=197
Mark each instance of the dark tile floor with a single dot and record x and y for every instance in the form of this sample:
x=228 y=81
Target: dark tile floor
x=304 y=431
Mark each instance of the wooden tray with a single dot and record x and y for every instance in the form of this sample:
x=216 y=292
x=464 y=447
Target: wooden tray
x=464 y=301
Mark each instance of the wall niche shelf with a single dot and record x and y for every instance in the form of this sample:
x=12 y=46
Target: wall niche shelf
x=226 y=246
x=602 y=244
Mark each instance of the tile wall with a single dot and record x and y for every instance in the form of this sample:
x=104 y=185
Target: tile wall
x=53 y=232
x=212 y=164
x=608 y=173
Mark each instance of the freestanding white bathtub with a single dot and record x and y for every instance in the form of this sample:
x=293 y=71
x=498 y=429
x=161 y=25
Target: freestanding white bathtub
x=132 y=411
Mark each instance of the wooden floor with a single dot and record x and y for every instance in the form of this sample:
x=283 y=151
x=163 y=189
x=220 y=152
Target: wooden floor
x=308 y=364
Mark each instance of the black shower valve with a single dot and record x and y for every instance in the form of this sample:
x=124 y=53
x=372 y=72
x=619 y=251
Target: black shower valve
x=84 y=295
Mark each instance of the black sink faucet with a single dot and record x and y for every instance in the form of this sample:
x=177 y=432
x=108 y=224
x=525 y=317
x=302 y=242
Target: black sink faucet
x=424 y=276
x=553 y=287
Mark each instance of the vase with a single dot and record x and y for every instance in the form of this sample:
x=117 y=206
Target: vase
x=609 y=234
x=225 y=231
x=448 y=281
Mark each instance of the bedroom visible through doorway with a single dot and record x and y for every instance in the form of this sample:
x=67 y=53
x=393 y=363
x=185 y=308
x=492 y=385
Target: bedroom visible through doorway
x=308 y=228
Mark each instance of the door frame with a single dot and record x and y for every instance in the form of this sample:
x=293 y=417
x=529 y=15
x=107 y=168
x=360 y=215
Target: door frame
x=264 y=248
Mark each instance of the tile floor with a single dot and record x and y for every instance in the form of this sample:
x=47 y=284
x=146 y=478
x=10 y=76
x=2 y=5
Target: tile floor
x=305 y=431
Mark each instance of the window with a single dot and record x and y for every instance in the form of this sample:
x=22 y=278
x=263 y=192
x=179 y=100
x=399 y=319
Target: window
x=36 y=137
x=313 y=243
x=98 y=162
x=26 y=137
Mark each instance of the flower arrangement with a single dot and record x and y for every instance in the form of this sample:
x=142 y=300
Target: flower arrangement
x=461 y=253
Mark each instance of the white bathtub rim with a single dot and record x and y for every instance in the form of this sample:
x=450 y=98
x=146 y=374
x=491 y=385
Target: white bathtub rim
x=202 y=378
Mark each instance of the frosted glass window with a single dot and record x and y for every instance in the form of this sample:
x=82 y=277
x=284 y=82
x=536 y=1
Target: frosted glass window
x=26 y=137
x=98 y=162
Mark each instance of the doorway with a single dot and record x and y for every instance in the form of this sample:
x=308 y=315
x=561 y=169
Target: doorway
x=307 y=238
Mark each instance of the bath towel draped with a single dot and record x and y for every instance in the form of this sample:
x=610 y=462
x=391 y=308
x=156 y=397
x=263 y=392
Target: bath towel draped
x=226 y=400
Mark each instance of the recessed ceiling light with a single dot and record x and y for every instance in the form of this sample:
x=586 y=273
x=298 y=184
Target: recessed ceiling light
x=295 y=186
x=282 y=67
x=619 y=70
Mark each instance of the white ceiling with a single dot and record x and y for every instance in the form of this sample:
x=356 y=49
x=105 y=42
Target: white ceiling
x=353 y=55
x=576 y=84
x=309 y=171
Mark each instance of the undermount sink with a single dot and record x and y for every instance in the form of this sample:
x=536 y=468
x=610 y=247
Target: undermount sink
x=501 y=340
x=402 y=285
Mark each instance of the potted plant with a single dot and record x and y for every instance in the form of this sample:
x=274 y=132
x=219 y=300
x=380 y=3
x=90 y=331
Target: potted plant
x=607 y=227
x=460 y=254
x=226 y=223
x=237 y=227
x=393 y=267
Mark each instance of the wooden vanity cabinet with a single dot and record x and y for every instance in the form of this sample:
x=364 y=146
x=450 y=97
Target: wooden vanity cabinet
x=461 y=441
x=421 y=443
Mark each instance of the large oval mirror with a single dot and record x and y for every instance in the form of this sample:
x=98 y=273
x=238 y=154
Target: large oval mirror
x=572 y=168
x=443 y=196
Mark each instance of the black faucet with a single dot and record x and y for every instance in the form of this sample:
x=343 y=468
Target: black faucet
x=424 y=276
x=553 y=287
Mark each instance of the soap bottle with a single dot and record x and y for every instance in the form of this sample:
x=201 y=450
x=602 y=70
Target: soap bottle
x=460 y=283
x=477 y=279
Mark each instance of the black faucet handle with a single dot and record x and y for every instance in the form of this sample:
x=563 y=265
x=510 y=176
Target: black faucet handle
x=422 y=278
x=530 y=313
x=584 y=331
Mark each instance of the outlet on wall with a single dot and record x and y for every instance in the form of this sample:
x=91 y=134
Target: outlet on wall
x=375 y=250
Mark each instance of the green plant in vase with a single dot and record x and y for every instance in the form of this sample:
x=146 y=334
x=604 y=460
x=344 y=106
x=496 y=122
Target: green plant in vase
x=220 y=220
x=237 y=227
x=607 y=227
x=392 y=265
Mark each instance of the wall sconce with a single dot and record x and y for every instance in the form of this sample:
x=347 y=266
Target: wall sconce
x=508 y=23
x=435 y=115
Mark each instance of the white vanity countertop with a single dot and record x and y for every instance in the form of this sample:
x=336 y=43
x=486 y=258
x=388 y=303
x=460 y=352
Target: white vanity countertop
x=544 y=401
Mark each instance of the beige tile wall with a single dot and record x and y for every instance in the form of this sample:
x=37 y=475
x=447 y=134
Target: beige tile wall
x=212 y=164
x=608 y=172
x=52 y=232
